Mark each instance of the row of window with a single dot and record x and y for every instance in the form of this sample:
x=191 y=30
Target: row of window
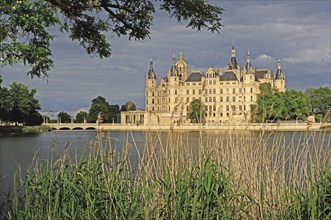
x=213 y=99
x=227 y=99
x=209 y=91
x=211 y=110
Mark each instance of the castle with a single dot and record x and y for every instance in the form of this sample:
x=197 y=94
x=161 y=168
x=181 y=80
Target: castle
x=227 y=95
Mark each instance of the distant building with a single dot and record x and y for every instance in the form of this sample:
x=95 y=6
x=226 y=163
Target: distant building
x=226 y=94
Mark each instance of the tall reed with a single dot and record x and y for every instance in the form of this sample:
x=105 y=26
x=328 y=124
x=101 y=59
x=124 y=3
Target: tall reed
x=212 y=175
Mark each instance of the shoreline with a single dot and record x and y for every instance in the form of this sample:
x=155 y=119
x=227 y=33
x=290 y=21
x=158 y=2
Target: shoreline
x=194 y=127
x=18 y=130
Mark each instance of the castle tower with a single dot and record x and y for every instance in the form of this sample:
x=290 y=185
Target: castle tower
x=248 y=76
x=181 y=67
x=279 y=81
x=151 y=84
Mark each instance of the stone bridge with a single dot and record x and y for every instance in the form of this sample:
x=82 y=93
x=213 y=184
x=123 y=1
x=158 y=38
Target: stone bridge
x=72 y=126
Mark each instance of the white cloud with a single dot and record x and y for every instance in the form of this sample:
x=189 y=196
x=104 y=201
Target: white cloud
x=264 y=58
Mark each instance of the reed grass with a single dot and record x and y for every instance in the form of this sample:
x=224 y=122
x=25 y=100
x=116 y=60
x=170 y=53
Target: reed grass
x=215 y=175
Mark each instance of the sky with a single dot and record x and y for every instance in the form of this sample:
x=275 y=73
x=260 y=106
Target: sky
x=296 y=32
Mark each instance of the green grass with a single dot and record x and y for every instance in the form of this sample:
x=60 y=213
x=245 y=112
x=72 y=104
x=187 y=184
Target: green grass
x=35 y=129
x=24 y=129
x=229 y=176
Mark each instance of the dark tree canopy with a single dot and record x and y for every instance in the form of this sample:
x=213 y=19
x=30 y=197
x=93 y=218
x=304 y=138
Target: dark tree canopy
x=81 y=117
x=18 y=104
x=64 y=117
x=196 y=111
x=4 y=102
x=99 y=105
x=25 y=34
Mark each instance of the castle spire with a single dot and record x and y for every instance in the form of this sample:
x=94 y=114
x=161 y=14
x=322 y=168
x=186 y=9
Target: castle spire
x=151 y=74
x=173 y=70
x=233 y=50
x=279 y=73
x=279 y=65
x=233 y=61
x=248 y=62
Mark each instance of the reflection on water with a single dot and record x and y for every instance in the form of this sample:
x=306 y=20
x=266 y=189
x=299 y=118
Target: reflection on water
x=17 y=152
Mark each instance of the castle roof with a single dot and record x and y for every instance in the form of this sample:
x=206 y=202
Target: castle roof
x=228 y=76
x=233 y=62
x=278 y=74
x=194 y=77
x=260 y=73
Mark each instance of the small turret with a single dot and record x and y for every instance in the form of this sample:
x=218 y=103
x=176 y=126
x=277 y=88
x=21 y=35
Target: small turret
x=173 y=69
x=151 y=74
x=248 y=66
x=233 y=61
x=279 y=73
x=279 y=81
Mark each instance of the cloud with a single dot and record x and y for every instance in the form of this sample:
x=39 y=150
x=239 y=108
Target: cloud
x=265 y=58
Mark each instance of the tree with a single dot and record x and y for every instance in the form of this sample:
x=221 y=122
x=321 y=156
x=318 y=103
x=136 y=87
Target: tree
x=22 y=103
x=25 y=25
x=297 y=105
x=99 y=105
x=4 y=102
x=320 y=101
x=130 y=106
x=114 y=111
x=196 y=111
x=270 y=104
x=81 y=117
x=273 y=105
x=64 y=117
x=123 y=108
x=35 y=118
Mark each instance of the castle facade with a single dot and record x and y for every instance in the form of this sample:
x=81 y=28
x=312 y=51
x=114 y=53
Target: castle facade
x=226 y=95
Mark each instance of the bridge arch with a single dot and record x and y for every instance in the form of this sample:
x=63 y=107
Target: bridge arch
x=90 y=128
x=64 y=128
x=78 y=128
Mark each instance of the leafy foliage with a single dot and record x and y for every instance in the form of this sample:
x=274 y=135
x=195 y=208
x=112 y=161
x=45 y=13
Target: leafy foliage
x=320 y=101
x=109 y=113
x=196 y=111
x=64 y=117
x=25 y=34
x=4 y=102
x=17 y=104
x=273 y=105
x=81 y=117
x=99 y=104
x=297 y=105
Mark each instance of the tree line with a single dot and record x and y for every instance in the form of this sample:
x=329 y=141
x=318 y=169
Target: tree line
x=18 y=105
x=99 y=108
x=273 y=105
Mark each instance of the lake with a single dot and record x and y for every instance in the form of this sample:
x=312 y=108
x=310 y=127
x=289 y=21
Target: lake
x=17 y=152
